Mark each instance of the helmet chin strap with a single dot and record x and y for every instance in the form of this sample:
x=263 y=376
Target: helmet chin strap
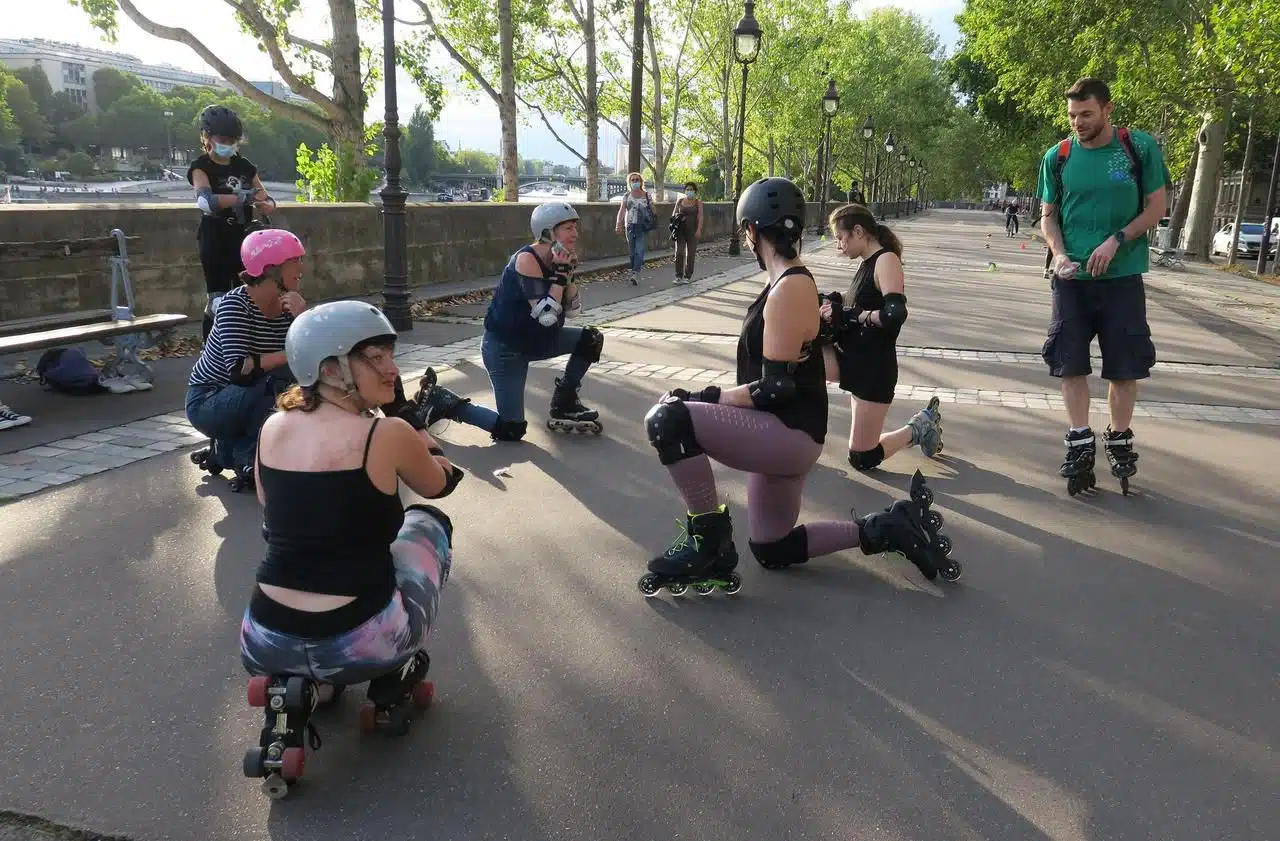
x=348 y=386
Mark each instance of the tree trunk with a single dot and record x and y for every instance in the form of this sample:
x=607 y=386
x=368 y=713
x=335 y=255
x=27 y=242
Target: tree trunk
x=659 y=160
x=591 y=113
x=773 y=152
x=507 y=105
x=1205 y=192
x=1183 y=205
x=1246 y=181
x=726 y=137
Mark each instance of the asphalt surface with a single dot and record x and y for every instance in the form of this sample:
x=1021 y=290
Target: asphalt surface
x=1107 y=669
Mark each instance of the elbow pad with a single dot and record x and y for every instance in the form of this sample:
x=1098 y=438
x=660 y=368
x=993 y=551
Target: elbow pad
x=894 y=311
x=776 y=386
x=547 y=312
x=238 y=377
x=206 y=201
x=452 y=480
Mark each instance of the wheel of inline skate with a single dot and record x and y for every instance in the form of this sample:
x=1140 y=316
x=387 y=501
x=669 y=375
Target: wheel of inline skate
x=422 y=694
x=677 y=588
x=934 y=520
x=649 y=586
x=944 y=545
x=735 y=583
x=1124 y=486
x=253 y=763
x=258 y=691
x=951 y=572
x=924 y=496
x=291 y=764
x=704 y=588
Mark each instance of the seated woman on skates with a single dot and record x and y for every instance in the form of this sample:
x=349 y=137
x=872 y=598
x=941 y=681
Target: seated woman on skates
x=525 y=323
x=351 y=581
x=242 y=369
x=772 y=426
x=862 y=354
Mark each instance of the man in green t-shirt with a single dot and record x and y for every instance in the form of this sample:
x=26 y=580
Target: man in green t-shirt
x=1095 y=219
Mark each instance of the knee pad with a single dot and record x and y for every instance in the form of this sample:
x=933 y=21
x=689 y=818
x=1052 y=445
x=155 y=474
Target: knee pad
x=670 y=428
x=434 y=512
x=590 y=345
x=507 y=430
x=790 y=550
x=867 y=459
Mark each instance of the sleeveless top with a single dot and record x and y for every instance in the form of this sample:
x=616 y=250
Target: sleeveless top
x=328 y=532
x=808 y=410
x=510 y=316
x=867 y=297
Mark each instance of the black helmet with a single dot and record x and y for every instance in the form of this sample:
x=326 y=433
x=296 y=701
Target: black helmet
x=772 y=202
x=220 y=121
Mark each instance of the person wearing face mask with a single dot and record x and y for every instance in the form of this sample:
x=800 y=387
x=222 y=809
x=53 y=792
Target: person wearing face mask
x=861 y=354
x=525 y=323
x=636 y=219
x=228 y=191
x=350 y=584
x=243 y=367
x=686 y=230
x=772 y=426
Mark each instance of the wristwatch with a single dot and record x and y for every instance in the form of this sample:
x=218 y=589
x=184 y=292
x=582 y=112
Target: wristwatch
x=1119 y=235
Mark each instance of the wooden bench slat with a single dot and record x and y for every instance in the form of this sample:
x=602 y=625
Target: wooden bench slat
x=89 y=332
x=66 y=248
x=22 y=326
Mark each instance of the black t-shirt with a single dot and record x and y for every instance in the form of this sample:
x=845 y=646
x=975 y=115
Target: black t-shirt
x=225 y=179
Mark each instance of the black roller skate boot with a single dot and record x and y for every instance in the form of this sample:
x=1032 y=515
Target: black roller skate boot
x=244 y=480
x=703 y=556
x=434 y=402
x=910 y=528
x=393 y=698
x=568 y=414
x=1124 y=461
x=1077 y=467
x=926 y=428
x=288 y=702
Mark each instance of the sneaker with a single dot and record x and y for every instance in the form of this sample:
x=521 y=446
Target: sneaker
x=9 y=418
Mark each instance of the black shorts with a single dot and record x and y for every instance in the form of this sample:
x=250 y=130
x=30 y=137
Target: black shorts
x=870 y=375
x=1114 y=310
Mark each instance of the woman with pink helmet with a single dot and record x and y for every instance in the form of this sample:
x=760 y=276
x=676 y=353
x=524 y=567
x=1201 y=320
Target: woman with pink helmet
x=242 y=369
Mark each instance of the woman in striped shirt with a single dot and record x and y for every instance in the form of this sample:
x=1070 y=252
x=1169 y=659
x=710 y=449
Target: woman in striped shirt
x=243 y=369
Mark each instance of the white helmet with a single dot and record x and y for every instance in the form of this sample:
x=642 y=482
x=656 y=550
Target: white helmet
x=331 y=331
x=547 y=216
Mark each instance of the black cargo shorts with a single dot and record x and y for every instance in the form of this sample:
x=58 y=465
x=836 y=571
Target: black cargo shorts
x=1114 y=310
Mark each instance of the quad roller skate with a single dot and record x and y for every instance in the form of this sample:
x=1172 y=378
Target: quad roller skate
x=210 y=460
x=702 y=557
x=392 y=699
x=926 y=428
x=1077 y=467
x=279 y=758
x=1124 y=461
x=569 y=415
x=911 y=529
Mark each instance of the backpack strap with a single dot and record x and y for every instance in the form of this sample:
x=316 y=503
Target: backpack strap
x=1135 y=164
x=1060 y=161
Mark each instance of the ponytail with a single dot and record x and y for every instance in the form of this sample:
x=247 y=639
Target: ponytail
x=889 y=239
x=845 y=218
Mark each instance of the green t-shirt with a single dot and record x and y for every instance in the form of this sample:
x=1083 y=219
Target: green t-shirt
x=1101 y=198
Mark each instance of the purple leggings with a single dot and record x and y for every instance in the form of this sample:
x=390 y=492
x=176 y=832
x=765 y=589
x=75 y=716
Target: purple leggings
x=777 y=459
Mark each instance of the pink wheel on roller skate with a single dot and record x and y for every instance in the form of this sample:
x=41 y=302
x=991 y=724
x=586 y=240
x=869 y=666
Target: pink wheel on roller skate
x=258 y=691
x=368 y=717
x=423 y=693
x=291 y=764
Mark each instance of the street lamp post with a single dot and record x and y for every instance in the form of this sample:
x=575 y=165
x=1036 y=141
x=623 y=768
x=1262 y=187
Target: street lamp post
x=746 y=48
x=868 y=134
x=911 y=183
x=882 y=172
x=168 y=135
x=830 y=105
x=395 y=275
x=902 y=166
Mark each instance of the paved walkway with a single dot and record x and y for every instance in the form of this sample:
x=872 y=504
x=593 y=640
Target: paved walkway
x=1106 y=670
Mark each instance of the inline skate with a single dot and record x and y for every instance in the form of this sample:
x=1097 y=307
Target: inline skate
x=567 y=413
x=910 y=528
x=1077 y=467
x=1124 y=461
x=702 y=557
x=926 y=428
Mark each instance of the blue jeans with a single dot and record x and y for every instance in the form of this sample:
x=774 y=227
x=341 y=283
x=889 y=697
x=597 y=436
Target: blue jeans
x=636 y=240
x=509 y=370
x=233 y=415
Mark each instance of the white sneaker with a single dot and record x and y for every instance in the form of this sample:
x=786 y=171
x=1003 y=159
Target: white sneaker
x=9 y=418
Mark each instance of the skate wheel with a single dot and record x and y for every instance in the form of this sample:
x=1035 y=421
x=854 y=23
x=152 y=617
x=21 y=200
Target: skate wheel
x=703 y=588
x=923 y=495
x=295 y=695
x=423 y=693
x=1124 y=486
x=676 y=588
x=275 y=787
x=368 y=717
x=951 y=572
x=735 y=583
x=236 y=484
x=253 y=763
x=398 y=722
x=649 y=586
x=291 y=764
x=934 y=520
x=198 y=457
x=258 y=691
x=944 y=545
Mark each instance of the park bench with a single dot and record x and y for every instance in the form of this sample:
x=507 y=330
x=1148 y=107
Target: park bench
x=116 y=326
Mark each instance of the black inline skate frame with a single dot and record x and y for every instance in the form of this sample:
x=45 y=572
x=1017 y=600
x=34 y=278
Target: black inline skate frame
x=1077 y=467
x=1120 y=454
x=929 y=523
x=702 y=557
x=208 y=460
x=567 y=414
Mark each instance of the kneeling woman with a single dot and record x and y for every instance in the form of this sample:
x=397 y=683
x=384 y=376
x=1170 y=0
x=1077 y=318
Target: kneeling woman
x=351 y=580
x=863 y=354
x=772 y=426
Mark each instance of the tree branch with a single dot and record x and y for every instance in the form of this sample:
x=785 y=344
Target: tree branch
x=550 y=128
x=270 y=38
x=472 y=71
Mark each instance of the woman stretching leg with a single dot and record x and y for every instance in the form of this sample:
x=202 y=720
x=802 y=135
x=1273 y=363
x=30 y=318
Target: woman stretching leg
x=772 y=426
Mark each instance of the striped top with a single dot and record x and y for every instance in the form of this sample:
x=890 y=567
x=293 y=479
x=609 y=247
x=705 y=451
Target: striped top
x=239 y=329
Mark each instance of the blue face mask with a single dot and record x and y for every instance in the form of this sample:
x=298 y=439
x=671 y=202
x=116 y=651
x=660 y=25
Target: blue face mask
x=635 y=185
x=224 y=150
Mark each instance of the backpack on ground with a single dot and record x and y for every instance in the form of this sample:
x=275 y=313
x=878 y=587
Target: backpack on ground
x=1126 y=143
x=68 y=371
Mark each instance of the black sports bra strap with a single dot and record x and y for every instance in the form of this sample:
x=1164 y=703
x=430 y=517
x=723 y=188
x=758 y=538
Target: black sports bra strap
x=546 y=270
x=369 y=442
x=796 y=270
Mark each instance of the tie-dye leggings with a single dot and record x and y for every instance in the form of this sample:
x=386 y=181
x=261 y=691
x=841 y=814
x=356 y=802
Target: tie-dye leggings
x=422 y=554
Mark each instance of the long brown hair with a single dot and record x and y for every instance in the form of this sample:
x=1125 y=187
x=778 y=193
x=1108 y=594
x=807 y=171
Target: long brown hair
x=305 y=399
x=843 y=220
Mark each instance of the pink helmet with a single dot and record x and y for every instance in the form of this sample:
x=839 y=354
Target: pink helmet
x=269 y=247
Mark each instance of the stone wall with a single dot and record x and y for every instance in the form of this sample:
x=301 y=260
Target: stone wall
x=447 y=242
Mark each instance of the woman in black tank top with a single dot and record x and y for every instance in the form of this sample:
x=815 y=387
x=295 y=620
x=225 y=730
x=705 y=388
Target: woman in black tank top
x=862 y=355
x=771 y=426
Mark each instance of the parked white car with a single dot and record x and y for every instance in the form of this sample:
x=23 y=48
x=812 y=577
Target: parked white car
x=1249 y=244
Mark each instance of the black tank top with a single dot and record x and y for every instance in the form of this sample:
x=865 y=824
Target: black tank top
x=867 y=297
x=808 y=411
x=330 y=532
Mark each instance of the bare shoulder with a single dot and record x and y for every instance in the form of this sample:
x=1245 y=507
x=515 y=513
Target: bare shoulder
x=527 y=264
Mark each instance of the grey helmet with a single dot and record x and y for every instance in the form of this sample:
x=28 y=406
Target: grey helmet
x=770 y=203
x=547 y=216
x=331 y=331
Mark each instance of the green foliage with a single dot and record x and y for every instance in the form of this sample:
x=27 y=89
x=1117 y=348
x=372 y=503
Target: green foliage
x=341 y=175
